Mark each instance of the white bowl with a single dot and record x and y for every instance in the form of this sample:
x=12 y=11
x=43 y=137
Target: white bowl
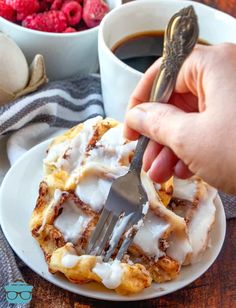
x=66 y=54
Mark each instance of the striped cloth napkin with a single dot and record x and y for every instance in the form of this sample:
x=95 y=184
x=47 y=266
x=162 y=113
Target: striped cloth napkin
x=58 y=105
x=27 y=121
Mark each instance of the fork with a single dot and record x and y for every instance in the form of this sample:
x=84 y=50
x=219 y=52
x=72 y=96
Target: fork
x=126 y=199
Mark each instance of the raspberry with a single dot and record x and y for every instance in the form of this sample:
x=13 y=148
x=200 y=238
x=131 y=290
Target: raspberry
x=73 y=12
x=51 y=21
x=69 y=30
x=82 y=26
x=43 y=6
x=23 y=8
x=94 y=11
x=56 y=5
x=7 y=11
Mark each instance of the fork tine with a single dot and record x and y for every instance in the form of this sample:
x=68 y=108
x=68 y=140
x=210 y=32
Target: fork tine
x=129 y=238
x=107 y=234
x=99 y=228
x=124 y=247
x=124 y=222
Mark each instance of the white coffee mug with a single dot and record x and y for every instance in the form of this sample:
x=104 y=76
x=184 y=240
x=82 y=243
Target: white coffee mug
x=118 y=79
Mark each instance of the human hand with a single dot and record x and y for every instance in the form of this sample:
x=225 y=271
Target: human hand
x=198 y=126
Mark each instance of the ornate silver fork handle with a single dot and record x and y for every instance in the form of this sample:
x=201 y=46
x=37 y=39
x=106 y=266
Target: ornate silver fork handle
x=180 y=38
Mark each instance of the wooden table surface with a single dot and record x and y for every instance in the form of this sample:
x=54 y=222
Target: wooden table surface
x=216 y=288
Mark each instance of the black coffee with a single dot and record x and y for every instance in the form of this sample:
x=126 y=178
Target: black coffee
x=141 y=50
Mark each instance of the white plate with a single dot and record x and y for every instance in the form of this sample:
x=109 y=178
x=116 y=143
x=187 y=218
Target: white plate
x=17 y=200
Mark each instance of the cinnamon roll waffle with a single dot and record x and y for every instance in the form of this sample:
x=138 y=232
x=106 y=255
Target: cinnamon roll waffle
x=79 y=168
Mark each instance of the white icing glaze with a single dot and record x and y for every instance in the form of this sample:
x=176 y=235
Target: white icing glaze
x=121 y=225
x=113 y=137
x=74 y=149
x=93 y=191
x=200 y=225
x=71 y=222
x=148 y=236
x=110 y=273
x=56 y=151
x=178 y=247
x=69 y=260
x=157 y=186
x=145 y=208
x=50 y=209
x=57 y=196
x=118 y=230
x=184 y=189
x=110 y=149
x=78 y=145
x=103 y=161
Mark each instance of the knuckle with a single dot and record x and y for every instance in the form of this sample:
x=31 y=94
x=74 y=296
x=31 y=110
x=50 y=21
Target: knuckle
x=226 y=50
x=156 y=122
x=178 y=138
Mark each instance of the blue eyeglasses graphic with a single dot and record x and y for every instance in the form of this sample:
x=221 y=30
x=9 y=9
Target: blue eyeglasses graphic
x=18 y=292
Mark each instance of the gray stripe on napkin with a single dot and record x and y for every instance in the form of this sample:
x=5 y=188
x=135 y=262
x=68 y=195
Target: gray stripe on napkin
x=78 y=87
x=59 y=122
x=81 y=95
x=35 y=105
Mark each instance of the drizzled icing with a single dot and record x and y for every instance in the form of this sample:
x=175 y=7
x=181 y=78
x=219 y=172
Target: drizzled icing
x=71 y=222
x=110 y=273
x=178 y=247
x=70 y=260
x=102 y=166
x=56 y=151
x=119 y=229
x=69 y=154
x=149 y=234
x=184 y=189
x=77 y=151
x=50 y=209
x=94 y=191
x=200 y=224
x=110 y=150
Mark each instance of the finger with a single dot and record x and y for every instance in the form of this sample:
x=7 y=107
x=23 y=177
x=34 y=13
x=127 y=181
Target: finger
x=152 y=150
x=143 y=89
x=182 y=171
x=186 y=101
x=163 y=123
x=163 y=166
x=193 y=74
x=130 y=134
x=141 y=94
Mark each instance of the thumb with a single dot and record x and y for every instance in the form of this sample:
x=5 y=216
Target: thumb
x=165 y=124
